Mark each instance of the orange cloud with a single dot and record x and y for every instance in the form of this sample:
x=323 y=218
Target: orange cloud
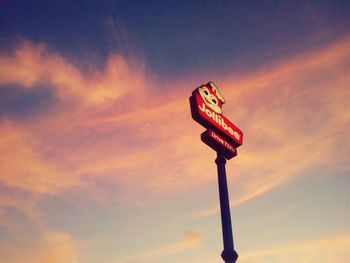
x=22 y=166
x=127 y=130
x=298 y=117
x=329 y=249
x=119 y=126
x=50 y=246
x=33 y=64
x=190 y=240
x=295 y=116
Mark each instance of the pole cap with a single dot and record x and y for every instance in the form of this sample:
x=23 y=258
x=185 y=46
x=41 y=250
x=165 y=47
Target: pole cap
x=229 y=255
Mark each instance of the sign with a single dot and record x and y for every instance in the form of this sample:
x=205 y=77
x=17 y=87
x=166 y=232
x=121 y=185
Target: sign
x=219 y=144
x=206 y=108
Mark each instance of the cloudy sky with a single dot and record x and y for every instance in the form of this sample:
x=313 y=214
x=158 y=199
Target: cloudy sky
x=100 y=160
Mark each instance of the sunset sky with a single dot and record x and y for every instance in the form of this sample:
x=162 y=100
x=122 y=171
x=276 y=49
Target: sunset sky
x=100 y=161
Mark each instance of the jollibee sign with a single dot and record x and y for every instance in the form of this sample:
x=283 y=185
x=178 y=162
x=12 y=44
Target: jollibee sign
x=206 y=109
x=223 y=137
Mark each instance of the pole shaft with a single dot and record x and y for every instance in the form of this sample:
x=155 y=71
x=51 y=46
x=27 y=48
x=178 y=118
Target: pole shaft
x=229 y=255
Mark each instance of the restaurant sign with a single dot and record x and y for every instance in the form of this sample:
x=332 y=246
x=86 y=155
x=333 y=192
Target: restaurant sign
x=206 y=109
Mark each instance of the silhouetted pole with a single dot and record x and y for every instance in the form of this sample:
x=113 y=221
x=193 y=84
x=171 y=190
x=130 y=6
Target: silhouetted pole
x=229 y=255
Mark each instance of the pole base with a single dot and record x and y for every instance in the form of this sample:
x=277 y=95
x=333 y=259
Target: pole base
x=229 y=256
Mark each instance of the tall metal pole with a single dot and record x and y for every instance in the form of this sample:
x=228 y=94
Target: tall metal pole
x=229 y=255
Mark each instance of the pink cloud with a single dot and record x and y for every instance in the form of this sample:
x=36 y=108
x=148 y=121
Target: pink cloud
x=126 y=129
x=48 y=246
x=328 y=249
x=295 y=116
x=190 y=240
x=120 y=126
x=33 y=64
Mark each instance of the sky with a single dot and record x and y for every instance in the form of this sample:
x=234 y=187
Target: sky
x=100 y=160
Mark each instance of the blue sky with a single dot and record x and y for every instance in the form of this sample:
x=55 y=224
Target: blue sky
x=176 y=37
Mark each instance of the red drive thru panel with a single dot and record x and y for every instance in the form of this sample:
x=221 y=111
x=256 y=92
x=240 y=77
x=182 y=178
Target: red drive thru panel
x=219 y=144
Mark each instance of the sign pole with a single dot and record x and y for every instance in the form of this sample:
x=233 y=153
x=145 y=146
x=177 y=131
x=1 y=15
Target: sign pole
x=229 y=255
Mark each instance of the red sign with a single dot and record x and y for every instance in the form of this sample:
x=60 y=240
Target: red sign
x=219 y=144
x=206 y=108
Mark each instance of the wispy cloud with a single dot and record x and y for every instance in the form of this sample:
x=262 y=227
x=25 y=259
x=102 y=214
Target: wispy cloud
x=48 y=246
x=295 y=116
x=118 y=125
x=328 y=249
x=298 y=117
x=31 y=65
x=190 y=240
